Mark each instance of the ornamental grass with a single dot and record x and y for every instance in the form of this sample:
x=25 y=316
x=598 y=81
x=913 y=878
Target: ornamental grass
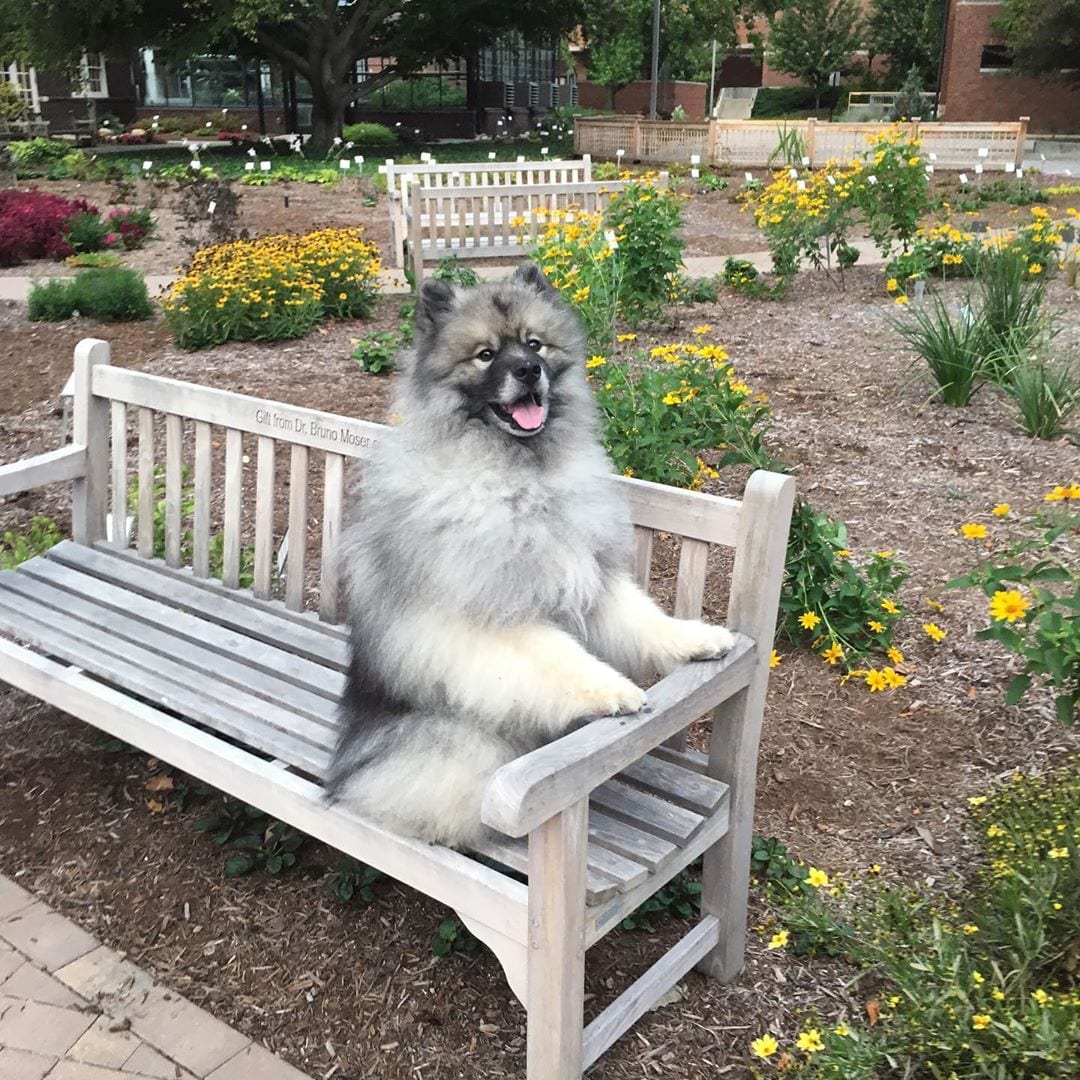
x=273 y=288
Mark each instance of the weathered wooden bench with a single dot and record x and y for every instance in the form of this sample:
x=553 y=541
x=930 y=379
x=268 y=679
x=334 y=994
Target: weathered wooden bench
x=238 y=686
x=493 y=222
x=435 y=174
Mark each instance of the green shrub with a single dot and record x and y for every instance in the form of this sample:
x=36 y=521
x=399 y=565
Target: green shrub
x=36 y=155
x=94 y=259
x=1010 y=314
x=981 y=986
x=16 y=547
x=114 y=294
x=1046 y=393
x=775 y=102
x=375 y=352
x=86 y=232
x=369 y=134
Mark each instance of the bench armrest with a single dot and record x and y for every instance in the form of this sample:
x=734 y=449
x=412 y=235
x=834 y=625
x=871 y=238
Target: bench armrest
x=530 y=790
x=67 y=463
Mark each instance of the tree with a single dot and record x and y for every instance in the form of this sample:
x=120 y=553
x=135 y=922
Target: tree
x=1044 y=36
x=908 y=32
x=321 y=40
x=811 y=39
x=616 y=35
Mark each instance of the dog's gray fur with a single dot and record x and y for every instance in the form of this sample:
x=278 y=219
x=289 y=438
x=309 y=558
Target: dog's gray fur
x=489 y=605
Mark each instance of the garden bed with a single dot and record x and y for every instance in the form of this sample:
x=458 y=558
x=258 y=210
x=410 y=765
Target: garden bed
x=847 y=778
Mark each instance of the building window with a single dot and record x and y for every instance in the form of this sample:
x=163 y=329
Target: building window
x=24 y=79
x=995 y=58
x=92 y=80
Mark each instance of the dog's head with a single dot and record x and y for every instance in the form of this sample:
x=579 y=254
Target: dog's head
x=508 y=355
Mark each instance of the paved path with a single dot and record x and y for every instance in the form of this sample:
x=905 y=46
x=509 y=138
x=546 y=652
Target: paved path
x=71 y=1009
x=393 y=280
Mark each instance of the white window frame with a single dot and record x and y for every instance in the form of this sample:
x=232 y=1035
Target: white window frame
x=84 y=77
x=24 y=79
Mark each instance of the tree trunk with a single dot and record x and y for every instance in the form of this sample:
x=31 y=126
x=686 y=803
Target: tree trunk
x=327 y=120
x=611 y=90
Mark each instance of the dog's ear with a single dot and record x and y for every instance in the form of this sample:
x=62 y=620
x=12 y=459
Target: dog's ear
x=532 y=277
x=435 y=302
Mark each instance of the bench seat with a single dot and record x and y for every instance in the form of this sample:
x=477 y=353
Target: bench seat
x=251 y=674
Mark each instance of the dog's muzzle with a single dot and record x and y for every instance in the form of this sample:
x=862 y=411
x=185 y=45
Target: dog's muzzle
x=522 y=407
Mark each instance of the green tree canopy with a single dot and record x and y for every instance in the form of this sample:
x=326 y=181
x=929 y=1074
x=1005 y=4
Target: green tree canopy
x=320 y=39
x=811 y=39
x=1044 y=36
x=908 y=32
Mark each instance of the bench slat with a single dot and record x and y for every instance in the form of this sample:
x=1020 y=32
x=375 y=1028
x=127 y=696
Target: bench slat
x=204 y=479
x=114 y=662
x=647 y=812
x=234 y=505
x=333 y=513
x=146 y=483
x=119 y=475
x=682 y=786
x=256 y=619
x=631 y=843
x=258 y=655
x=297 y=554
x=282 y=703
x=174 y=469
x=264 y=517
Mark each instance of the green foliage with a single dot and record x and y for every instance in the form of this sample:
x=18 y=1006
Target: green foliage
x=770 y=861
x=1046 y=393
x=910 y=101
x=16 y=547
x=711 y=181
x=908 y=32
x=742 y=276
x=33 y=156
x=114 y=294
x=679 y=898
x=12 y=105
x=811 y=39
x=451 y=269
x=699 y=290
x=354 y=879
x=776 y=102
x=96 y=260
x=1022 y=192
x=894 y=203
x=830 y=601
x=86 y=232
x=981 y=985
x=1038 y=618
x=451 y=936
x=376 y=352
x=1042 y=36
x=367 y=133
x=950 y=344
x=254 y=839
x=790 y=147
x=1011 y=311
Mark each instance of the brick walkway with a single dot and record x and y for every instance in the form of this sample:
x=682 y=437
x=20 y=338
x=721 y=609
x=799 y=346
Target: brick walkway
x=71 y=1009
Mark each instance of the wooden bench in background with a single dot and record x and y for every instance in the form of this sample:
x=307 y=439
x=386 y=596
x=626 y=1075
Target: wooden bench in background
x=238 y=686
x=434 y=174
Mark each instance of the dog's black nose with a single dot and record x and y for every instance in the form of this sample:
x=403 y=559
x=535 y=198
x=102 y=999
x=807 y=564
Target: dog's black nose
x=528 y=371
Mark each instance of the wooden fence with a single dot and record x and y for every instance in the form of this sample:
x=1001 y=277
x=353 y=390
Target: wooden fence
x=756 y=143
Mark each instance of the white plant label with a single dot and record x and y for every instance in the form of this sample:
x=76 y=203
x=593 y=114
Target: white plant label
x=749 y=177
x=806 y=162
x=344 y=163
x=619 y=153
x=978 y=169
x=1009 y=166
x=491 y=155
x=695 y=159
x=521 y=158
x=871 y=179
x=544 y=150
x=1019 y=174
x=211 y=208
x=196 y=165
x=933 y=157
x=425 y=157
x=984 y=151
x=695 y=173
x=147 y=165
x=249 y=166
x=265 y=165
x=831 y=180
x=801 y=185
x=963 y=178
x=929 y=169
x=359 y=159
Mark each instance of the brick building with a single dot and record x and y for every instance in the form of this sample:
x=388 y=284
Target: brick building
x=978 y=84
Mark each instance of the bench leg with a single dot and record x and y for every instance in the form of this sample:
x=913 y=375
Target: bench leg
x=725 y=879
x=556 y=977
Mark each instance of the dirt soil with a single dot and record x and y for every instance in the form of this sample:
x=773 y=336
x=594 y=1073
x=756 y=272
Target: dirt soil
x=846 y=778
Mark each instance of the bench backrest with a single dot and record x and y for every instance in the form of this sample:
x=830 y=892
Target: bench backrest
x=493 y=222
x=215 y=481
x=431 y=174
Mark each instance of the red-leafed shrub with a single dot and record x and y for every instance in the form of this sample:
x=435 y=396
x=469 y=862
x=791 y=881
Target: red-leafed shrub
x=238 y=138
x=33 y=225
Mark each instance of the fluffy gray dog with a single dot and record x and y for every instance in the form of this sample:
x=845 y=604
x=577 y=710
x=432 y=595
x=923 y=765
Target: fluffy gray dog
x=490 y=606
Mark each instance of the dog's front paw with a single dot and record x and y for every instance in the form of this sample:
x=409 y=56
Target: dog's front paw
x=689 y=639
x=609 y=696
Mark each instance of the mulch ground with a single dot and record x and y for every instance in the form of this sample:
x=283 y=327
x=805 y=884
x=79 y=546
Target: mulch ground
x=846 y=778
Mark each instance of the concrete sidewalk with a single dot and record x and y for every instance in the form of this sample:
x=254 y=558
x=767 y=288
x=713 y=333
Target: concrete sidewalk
x=72 y=1009
x=393 y=280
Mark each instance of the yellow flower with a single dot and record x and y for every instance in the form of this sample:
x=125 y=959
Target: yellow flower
x=774 y=659
x=892 y=284
x=893 y=678
x=895 y=655
x=876 y=680
x=1008 y=605
x=978 y=978
x=1041 y=997
x=1060 y=492
x=810 y=1041
x=932 y=630
x=875 y=869
x=809 y=619
x=976 y=800
x=997 y=995
x=832 y=654
x=1058 y=853
x=973 y=531
x=817 y=879
x=902 y=299
x=778 y=940
x=884 y=554
x=969 y=928
x=594 y=362
x=994 y=831
x=875 y=626
x=704 y=328
x=626 y=337
x=890 y=607
x=1001 y=509
x=672 y=398
x=1035 y=268
x=980 y=1021
x=841 y=1030
x=764 y=1047
x=842 y=553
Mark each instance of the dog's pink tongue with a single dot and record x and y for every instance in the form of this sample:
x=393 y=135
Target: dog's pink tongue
x=527 y=414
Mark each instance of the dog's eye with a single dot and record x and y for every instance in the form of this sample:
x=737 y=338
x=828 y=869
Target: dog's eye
x=485 y=356
x=535 y=344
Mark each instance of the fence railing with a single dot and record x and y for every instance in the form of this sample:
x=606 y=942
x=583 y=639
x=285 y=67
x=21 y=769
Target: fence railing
x=757 y=143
